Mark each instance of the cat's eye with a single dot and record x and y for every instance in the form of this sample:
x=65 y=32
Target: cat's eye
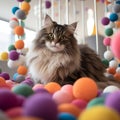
x=63 y=37
x=51 y=35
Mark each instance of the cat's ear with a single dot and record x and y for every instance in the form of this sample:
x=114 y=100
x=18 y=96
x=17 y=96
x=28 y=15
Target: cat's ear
x=72 y=27
x=48 y=21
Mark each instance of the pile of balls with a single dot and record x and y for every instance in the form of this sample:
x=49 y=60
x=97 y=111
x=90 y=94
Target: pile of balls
x=80 y=101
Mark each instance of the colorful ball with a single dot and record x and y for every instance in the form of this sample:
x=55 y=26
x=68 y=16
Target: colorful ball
x=13 y=55
x=5 y=75
x=41 y=106
x=52 y=87
x=116 y=8
x=115 y=44
x=111 y=70
x=99 y=113
x=47 y=4
x=85 y=88
x=19 y=44
x=113 y=100
x=7 y=99
x=113 y=63
x=3 y=83
x=26 y=118
x=113 y=17
x=105 y=62
x=22 y=89
x=25 y=6
x=19 y=30
x=108 y=31
x=117 y=76
x=14 y=9
x=117 y=24
x=20 y=14
x=105 y=20
x=108 y=55
x=11 y=47
x=4 y=56
x=106 y=41
x=66 y=116
x=19 y=78
x=22 y=70
x=27 y=0
x=69 y=108
x=20 y=0
x=13 y=24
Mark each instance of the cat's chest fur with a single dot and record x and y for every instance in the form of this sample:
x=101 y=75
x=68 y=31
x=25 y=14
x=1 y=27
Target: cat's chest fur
x=46 y=66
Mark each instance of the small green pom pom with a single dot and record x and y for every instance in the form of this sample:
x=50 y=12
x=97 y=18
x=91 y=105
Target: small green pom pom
x=11 y=47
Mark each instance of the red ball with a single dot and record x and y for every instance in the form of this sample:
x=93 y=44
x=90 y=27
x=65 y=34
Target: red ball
x=107 y=41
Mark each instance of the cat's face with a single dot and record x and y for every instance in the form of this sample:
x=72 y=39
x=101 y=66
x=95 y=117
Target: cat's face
x=56 y=37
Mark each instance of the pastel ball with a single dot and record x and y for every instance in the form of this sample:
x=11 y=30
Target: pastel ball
x=7 y=99
x=113 y=17
x=99 y=113
x=14 y=9
x=108 y=55
x=19 y=30
x=19 y=44
x=38 y=86
x=4 y=56
x=41 y=106
x=19 y=78
x=66 y=116
x=5 y=75
x=28 y=81
x=25 y=6
x=110 y=89
x=108 y=31
x=20 y=14
x=85 y=88
x=96 y=101
x=22 y=89
x=116 y=8
x=11 y=47
x=107 y=41
x=13 y=23
x=13 y=55
x=113 y=63
x=105 y=20
x=113 y=101
x=115 y=44
x=47 y=4
x=22 y=70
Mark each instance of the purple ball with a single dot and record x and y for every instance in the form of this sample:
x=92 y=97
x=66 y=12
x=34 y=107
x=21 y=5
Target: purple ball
x=13 y=55
x=113 y=100
x=105 y=21
x=41 y=106
x=20 y=0
x=7 y=99
x=20 y=14
x=28 y=81
x=47 y=4
x=5 y=75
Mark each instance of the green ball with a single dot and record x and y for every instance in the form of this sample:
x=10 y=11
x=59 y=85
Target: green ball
x=27 y=0
x=108 y=31
x=23 y=89
x=11 y=47
x=96 y=101
x=105 y=62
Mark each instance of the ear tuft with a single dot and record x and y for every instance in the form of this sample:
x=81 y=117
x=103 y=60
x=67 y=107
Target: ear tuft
x=72 y=27
x=48 y=21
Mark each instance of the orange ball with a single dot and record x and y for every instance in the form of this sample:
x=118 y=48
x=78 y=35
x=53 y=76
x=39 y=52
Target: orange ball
x=117 y=23
x=25 y=6
x=19 y=30
x=111 y=70
x=19 y=44
x=3 y=83
x=85 y=88
x=22 y=70
x=69 y=108
x=117 y=76
x=52 y=87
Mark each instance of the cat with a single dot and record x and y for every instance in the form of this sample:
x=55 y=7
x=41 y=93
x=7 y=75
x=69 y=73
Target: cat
x=55 y=55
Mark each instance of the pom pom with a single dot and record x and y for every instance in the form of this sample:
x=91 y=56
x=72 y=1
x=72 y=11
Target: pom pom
x=27 y=0
x=47 y=4
x=22 y=70
x=111 y=70
x=25 y=6
x=115 y=44
x=19 y=44
x=116 y=8
x=19 y=30
x=108 y=31
x=108 y=55
x=99 y=113
x=85 y=88
x=4 y=56
x=113 y=17
x=66 y=116
x=11 y=47
x=107 y=41
x=20 y=14
x=52 y=87
x=20 y=0
x=13 y=24
x=14 y=9
x=19 y=78
x=105 y=21
x=13 y=55
x=113 y=63
x=5 y=75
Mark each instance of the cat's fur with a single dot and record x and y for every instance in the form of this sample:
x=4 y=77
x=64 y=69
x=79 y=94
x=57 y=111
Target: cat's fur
x=56 y=56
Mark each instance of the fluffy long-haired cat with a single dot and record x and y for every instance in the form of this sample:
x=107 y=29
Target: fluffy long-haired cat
x=56 y=56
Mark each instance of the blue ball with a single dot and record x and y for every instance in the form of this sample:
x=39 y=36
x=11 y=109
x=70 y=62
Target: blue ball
x=14 y=9
x=113 y=17
x=66 y=116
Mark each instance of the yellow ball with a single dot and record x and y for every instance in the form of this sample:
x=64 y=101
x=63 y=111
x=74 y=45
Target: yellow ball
x=99 y=113
x=4 y=56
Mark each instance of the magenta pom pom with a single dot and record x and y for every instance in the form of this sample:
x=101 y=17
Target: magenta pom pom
x=107 y=41
x=5 y=75
x=47 y=4
x=20 y=0
x=115 y=44
x=105 y=20
x=13 y=55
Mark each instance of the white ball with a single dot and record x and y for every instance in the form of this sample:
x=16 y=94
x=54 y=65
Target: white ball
x=110 y=25
x=108 y=55
x=110 y=89
x=113 y=63
x=13 y=64
x=118 y=70
x=13 y=24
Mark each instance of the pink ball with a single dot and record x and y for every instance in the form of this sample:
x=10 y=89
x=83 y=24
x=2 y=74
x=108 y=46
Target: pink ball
x=80 y=103
x=37 y=86
x=61 y=97
x=107 y=41
x=115 y=44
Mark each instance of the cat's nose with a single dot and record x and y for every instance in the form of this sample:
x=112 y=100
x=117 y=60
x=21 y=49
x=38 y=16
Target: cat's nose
x=53 y=43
